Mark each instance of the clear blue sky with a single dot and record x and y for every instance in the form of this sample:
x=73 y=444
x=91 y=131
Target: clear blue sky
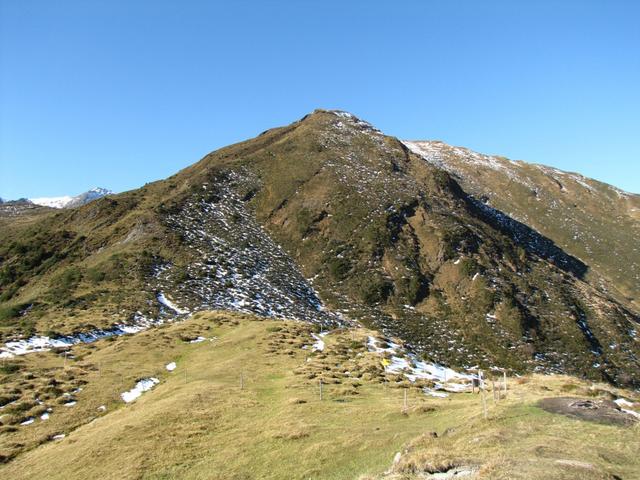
x=118 y=93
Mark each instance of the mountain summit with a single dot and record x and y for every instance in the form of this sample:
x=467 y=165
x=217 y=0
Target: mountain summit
x=330 y=221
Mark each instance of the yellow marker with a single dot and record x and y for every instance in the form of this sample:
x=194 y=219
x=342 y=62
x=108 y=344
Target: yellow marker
x=385 y=362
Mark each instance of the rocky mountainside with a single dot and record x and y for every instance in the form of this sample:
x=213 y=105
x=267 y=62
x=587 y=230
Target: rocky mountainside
x=593 y=221
x=68 y=201
x=326 y=220
x=20 y=208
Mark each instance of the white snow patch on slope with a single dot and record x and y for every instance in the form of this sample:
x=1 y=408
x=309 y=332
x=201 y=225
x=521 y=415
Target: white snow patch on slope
x=169 y=304
x=43 y=343
x=439 y=153
x=142 y=386
x=171 y=366
x=413 y=368
x=319 y=343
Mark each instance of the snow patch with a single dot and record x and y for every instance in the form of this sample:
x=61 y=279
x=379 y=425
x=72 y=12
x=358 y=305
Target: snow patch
x=171 y=366
x=169 y=304
x=409 y=365
x=319 y=342
x=43 y=343
x=142 y=386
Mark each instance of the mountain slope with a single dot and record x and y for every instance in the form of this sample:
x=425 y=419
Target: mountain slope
x=384 y=237
x=593 y=221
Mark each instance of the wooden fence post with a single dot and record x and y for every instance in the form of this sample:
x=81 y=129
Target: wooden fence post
x=320 y=389
x=482 y=394
x=504 y=381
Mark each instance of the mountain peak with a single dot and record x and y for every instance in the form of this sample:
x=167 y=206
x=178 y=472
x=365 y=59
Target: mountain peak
x=100 y=190
x=68 y=201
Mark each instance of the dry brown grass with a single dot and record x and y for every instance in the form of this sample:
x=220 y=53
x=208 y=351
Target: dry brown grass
x=277 y=427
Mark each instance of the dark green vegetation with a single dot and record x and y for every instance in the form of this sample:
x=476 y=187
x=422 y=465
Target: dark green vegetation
x=388 y=238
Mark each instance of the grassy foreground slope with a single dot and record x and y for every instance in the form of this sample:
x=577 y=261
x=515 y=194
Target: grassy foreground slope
x=244 y=404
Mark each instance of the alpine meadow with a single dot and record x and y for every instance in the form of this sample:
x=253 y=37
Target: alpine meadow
x=324 y=300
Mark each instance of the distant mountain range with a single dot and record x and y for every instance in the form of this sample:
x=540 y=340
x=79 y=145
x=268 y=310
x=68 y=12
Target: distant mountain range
x=68 y=201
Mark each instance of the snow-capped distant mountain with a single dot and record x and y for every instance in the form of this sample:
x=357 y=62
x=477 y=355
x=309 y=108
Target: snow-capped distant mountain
x=54 y=202
x=68 y=201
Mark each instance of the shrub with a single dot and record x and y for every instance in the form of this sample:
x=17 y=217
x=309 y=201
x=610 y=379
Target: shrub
x=8 y=312
x=375 y=291
x=64 y=283
x=412 y=289
x=339 y=267
x=468 y=267
x=96 y=275
x=9 y=368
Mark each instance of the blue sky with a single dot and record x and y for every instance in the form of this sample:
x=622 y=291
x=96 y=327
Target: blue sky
x=118 y=93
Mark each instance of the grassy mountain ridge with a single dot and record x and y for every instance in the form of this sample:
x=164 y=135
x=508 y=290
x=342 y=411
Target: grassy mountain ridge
x=591 y=220
x=384 y=237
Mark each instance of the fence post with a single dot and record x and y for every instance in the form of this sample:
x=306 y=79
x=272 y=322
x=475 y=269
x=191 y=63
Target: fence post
x=504 y=381
x=482 y=394
x=320 y=389
x=484 y=404
x=241 y=380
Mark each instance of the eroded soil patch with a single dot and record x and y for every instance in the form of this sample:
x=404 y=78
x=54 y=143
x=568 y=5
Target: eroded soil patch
x=592 y=410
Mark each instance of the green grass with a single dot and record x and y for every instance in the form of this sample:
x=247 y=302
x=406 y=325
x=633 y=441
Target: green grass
x=198 y=423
